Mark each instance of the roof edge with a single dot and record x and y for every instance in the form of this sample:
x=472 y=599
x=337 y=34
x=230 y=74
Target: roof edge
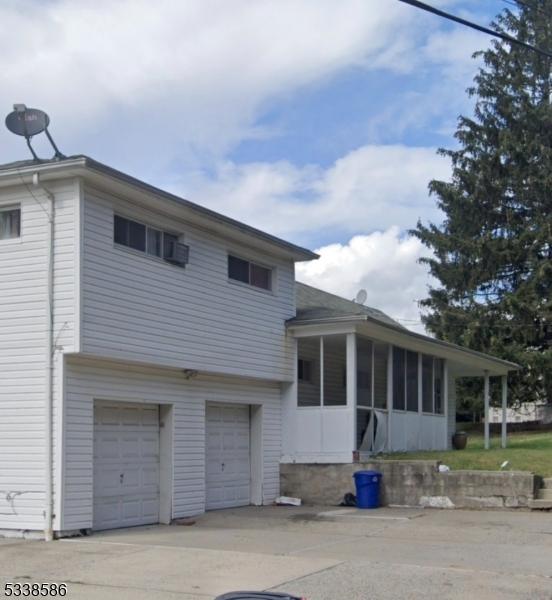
x=290 y=323
x=299 y=253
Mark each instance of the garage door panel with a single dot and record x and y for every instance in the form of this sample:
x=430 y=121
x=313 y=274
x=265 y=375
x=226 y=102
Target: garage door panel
x=126 y=466
x=228 y=470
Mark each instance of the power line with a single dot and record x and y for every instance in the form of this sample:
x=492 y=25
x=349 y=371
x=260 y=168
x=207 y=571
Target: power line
x=492 y=32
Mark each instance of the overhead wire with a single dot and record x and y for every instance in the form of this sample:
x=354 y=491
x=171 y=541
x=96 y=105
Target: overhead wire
x=492 y=32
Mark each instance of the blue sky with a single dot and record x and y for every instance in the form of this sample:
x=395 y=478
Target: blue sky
x=313 y=119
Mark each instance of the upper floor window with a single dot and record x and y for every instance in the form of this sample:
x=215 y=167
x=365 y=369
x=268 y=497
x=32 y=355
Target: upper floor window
x=10 y=223
x=250 y=273
x=149 y=240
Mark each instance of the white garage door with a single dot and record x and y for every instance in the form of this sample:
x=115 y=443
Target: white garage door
x=126 y=465
x=227 y=456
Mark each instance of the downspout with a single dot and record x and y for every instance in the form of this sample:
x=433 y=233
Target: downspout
x=49 y=397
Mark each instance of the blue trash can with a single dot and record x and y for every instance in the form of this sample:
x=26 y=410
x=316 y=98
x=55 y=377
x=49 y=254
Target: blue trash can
x=367 y=485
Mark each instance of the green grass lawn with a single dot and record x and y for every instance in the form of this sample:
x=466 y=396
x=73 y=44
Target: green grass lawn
x=525 y=452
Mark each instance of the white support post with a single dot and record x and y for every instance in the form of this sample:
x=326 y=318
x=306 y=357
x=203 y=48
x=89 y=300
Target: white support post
x=486 y=399
x=351 y=383
x=321 y=371
x=420 y=405
x=504 y=432
x=351 y=373
x=448 y=441
x=389 y=397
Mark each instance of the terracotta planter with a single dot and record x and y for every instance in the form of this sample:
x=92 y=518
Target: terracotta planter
x=459 y=440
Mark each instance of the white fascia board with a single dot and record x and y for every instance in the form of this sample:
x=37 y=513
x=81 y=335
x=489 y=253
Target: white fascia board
x=468 y=362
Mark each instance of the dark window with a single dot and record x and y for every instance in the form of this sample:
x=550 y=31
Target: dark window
x=137 y=236
x=129 y=233
x=120 y=234
x=260 y=276
x=364 y=372
x=427 y=383
x=10 y=223
x=155 y=240
x=238 y=269
x=381 y=353
x=412 y=381
x=439 y=385
x=304 y=370
x=248 y=272
x=399 y=364
x=169 y=245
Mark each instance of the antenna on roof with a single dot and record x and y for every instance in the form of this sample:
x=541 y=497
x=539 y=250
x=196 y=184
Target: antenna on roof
x=361 y=297
x=28 y=122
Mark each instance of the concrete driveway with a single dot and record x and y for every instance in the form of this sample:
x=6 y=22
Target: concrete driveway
x=319 y=553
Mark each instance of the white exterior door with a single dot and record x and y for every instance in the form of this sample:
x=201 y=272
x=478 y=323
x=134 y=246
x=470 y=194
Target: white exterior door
x=126 y=465
x=228 y=469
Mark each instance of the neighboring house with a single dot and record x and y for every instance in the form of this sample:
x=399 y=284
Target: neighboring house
x=154 y=363
x=526 y=412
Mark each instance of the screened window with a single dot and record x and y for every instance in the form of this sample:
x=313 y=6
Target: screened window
x=399 y=367
x=433 y=384
x=427 y=383
x=250 y=273
x=381 y=354
x=10 y=223
x=439 y=385
x=304 y=370
x=405 y=380
x=412 y=381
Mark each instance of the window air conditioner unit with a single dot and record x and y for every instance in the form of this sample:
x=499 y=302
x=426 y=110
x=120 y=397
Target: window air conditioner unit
x=177 y=254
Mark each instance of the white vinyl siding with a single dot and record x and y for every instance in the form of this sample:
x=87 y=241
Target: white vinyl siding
x=139 y=309
x=89 y=380
x=23 y=322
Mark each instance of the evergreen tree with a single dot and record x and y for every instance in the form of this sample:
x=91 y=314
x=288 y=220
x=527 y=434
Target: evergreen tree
x=493 y=252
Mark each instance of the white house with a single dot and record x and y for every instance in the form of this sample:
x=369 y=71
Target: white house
x=154 y=363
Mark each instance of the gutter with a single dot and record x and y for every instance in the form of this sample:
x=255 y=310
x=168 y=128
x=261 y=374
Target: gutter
x=49 y=397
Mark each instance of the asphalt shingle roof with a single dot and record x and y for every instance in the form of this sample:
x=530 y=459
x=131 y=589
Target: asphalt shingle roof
x=313 y=303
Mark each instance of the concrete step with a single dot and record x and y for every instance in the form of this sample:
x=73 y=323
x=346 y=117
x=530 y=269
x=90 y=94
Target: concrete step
x=544 y=494
x=540 y=504
x=547 y=483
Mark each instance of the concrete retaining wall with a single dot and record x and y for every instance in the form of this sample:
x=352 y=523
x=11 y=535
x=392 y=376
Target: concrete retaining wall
x=411 y=483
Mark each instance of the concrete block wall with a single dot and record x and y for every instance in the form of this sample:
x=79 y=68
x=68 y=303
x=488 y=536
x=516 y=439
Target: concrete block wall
x=411 y=483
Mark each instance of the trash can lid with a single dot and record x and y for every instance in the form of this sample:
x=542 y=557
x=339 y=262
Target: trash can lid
x=367 y=474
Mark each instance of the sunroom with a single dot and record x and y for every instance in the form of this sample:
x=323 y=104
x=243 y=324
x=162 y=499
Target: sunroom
x=365 y=384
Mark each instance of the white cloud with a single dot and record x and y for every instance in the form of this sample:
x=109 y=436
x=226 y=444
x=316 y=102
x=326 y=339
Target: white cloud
x=384 y=264
x=199 y=70
x=368 y=189
x=186 y=80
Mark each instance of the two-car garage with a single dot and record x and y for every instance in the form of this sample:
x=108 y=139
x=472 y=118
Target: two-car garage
x=127 y=461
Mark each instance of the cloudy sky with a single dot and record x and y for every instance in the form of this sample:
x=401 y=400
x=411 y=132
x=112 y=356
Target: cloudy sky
x=316 y=120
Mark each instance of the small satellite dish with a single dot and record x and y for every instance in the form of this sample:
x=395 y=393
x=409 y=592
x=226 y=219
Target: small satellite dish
x=28 y=122
x=361 y=297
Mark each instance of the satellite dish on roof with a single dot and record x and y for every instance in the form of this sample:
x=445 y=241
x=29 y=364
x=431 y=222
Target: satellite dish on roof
x=361 y=297
x=28 y=122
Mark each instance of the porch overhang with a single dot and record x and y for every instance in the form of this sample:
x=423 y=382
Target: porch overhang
x=463 y=362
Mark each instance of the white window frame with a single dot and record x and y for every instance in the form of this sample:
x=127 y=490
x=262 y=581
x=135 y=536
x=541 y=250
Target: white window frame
x=251 y=261
x=10 y=208
x=145 y=252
